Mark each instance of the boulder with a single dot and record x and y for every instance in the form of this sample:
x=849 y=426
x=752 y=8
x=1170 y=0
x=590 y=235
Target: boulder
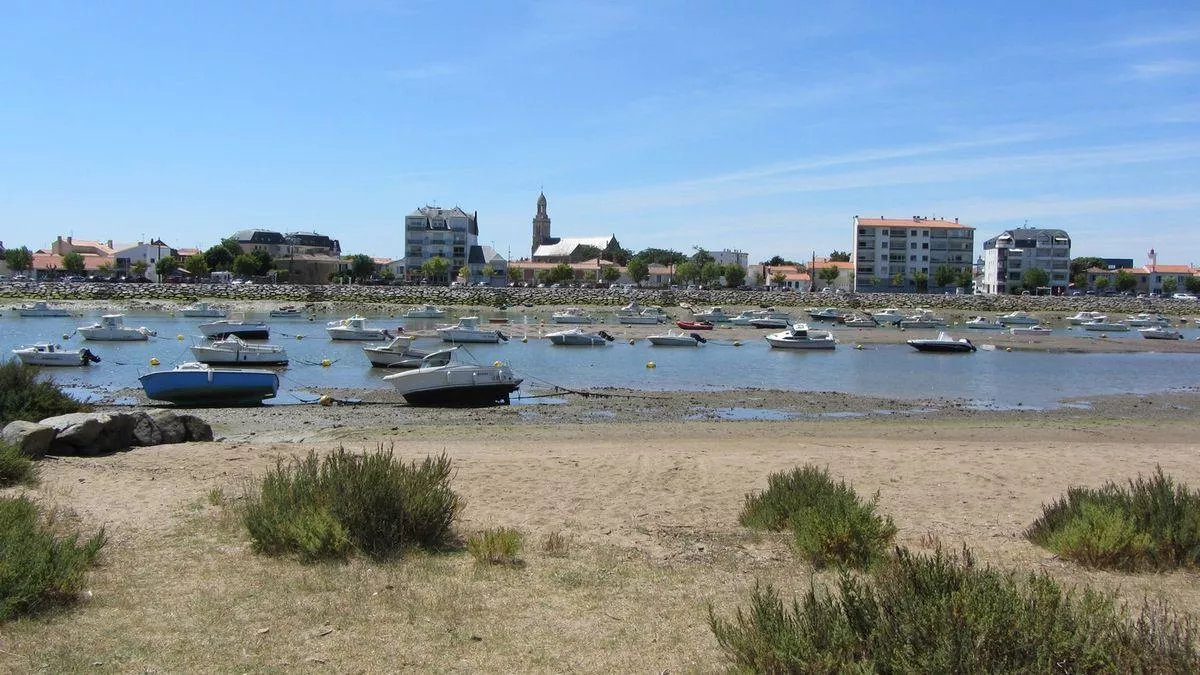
x=76 y=431
x=32 y=438
x=145 y=431
x=169 y=426
x=197 y=429
x=117 y=432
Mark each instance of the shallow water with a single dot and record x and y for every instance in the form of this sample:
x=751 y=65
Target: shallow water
x=985 y=379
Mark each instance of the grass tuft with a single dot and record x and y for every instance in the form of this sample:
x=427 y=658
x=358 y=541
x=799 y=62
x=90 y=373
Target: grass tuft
x=942 y=613
x=323 y=508
x=39 y=569
x=1150 y=523
x=829 y=522
x=24 y=397
x=216 y=496
x=15 y=467
x=501 y=546
x=557 y=545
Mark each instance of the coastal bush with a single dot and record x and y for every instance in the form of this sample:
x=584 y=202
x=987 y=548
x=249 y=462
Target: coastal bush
x=829 y=522
x=942 y=613
x=24 y=397
x=322 y=508
x=500 y=546
x=1150 y=523
x=39 y=567
x=15 y=467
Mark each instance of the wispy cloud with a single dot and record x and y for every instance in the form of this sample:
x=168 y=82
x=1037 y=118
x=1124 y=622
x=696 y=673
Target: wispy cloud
x=1164 y=68
x=1164 y=36
x=429 y=71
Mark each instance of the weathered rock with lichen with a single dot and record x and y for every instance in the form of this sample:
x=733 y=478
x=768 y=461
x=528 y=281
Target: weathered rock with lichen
x=31 y=438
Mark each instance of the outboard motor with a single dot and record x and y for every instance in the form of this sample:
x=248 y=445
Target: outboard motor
x=502 y=336
x=89 y=357
x=605 y=335
x=698 y=338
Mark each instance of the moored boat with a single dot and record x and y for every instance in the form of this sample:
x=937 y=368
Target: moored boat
x=112 y=328
x=674 y=338
x=468 y=330
x=355 y=328
x=1018 y=318
x=285 y=312
x=40 y=309
x=942 y=343
x=798 y=336
x=572 y=315
x=923 y=318
x=200 y=384
x=890 y=315
x=713 y=315
x=442 y=381
x=1030 y=330
x=824 y=313
x=202 y=309
x=769 y=322
x=1147 y=319
x=1106 y=326
x=247 y=330
x=579 y=337
x=1160 y=333
x=399 y=353
x=426 y=311
x=1085 y=317
x=235 y=351
x=982 y=323
x=49 y=354
x=694 y=325
x=859 y=321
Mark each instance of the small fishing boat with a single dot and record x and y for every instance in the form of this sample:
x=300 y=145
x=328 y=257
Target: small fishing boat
x=200 y=384
x=824 y=313
x=202 y=309
x=579 y=337
x=399 y=353
x=572 y=315
x=942 y=343
x=694 y=325
x=983 y=323
x=798 y=336
x=1106 y=326
x=1085 y=317
x=769 y=322
x=924 y=318
x=468 y=330
x=890 y=315
x=355 y=328
x=713 y=315
x=285 y=312
x=40 y=309
x=1160 y=333
x=1147 y=319
x=442 y=381
x=234 y=351
x=646 y=316
x=859 y=321
x=48 y=354
x=112 y=328
x=425 y=311
x=247 y=330
x=1018 y=318
x=1030 y=330
x=674 y=338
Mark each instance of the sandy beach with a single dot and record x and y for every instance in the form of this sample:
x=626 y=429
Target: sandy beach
x=647 y=488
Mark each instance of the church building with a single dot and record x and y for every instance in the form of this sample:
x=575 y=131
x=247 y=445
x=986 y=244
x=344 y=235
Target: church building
x=561 y=249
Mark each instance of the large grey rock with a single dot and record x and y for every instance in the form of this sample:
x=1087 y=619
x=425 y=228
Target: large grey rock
x=169 y=425
x=117 y=433
x=145 y=431
x=197 y=429
x=32 y=438
x=76 y=431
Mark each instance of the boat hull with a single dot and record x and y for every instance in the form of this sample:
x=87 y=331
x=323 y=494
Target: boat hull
x=358 y=335
x=694 y=325
x=54 y=359
x=210 y=387
x=455 y=336
x=108 y=335
x=639 y=320
x=781 y=343
x=246 y=332
x=463 y=396
x=942 y=348
x=456 y=386
x=225 y=357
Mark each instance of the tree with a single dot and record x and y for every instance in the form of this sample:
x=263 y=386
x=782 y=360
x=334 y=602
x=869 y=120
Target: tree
x=543 y=277
x=1170 y=285
x=1079 y=265
x=777 y=261
x=610 y=274
x=829 y=275
x=735 y=276
x=897 y=279
x=618 y=255
x=687 y=271
x=362 y=267
x=1035 y=278
x=710 y=272
x=245 y=266
x=662 y=256
x=19 y=259
x=585 y=252
x=777 y=278
x=385 y=273
x=1125 y=281
x=487 y=272
x=839 y=256
x=264 y=260
x=702 y=257
x=514 y=274
x=966 y=280
x=219 y=258
x=921 y=281
x=1192 y=284
x=638 y=270
x=562 y=273
x=73 y=263
x=139 y=268
x=435 y=269
x=105 y=269
x=165 y=267
x=196 y=265
x=1101 y=283
x=945 y=276
x=1080 y=280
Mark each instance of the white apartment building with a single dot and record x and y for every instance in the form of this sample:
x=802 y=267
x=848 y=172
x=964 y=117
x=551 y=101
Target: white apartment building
x=891 y=250
x=145 y=252
x=1007 y=256
x=728 y=257
x=431 y=232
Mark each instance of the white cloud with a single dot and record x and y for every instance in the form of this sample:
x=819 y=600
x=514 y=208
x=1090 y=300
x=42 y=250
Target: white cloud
x=1163 y=68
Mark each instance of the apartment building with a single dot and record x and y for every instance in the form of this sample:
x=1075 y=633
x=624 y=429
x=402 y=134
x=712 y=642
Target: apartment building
x=433 y=232
x=308 y=257
x=888 y=253
x=1008 y=255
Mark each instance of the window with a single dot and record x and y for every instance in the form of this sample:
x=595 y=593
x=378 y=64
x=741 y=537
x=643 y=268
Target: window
x=924 y=233
x=883 y=245
x=914 y=233
x=883 y=256
x=924 y=258
x=925 y=245
x=912 y=258
x=883 y=231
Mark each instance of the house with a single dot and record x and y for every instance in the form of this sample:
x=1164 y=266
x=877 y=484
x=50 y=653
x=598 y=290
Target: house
x=308 y=257
x=586 y=271
x=889 y=253
x=843 y=282
x=148 y=253
x=1012 y=253
x=97 y=257
x=1150 y=278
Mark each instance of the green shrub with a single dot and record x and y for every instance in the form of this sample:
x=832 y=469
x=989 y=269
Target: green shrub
x=829 y=522
x=1150 y=523
x=38 y=568
x=321 y=508
x=941 y=613
x=500 y=546
x=15 y=467
x=24 y=397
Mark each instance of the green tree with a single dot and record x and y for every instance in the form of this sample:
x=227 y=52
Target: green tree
x=219 y=258
x=245 y=266
x=610 y=274
x=196 y=265
x=1125 y=281
x=777 y=278
x=562 y=273
x=828 y=275
x=1101 y=283
x=436 y=270
x=921 y=281
x=19 y=259
x=662 y=256
x=165 y=267
x=778 y=261
x=1080 y=280
x=514 y=274
x=710 y=272
x=1079 y=265
x=687 y=271
x=702 y=257
x=386 y=273
x=73 y=263
x=966 y=280
x=362 y=267
x=618 y=255
x=139 y=268
x=585 y=252
x=105 y=269
x=638 y=270
x=839 y=256
x=945 y=276
x=1035 y=278
x=897 y=279
x=1170 y=285
x=1192 y=284
x=735 y=275
x=543 y=277
x=487 y=272
x=265 y=263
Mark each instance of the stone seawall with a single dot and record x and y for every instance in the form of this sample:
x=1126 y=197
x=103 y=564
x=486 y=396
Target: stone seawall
x=496 y=297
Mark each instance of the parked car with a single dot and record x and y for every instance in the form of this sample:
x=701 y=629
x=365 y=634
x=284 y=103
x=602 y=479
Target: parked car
x=1183 y=296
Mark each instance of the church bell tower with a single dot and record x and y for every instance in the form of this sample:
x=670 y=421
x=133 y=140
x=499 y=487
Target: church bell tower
x=541 y=225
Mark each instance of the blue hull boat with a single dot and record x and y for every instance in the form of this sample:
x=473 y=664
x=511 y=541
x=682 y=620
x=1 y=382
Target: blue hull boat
x=200 y=384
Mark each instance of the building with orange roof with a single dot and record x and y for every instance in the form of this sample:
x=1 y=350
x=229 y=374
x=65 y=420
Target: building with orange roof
x=1151 y=277
x=889 y=253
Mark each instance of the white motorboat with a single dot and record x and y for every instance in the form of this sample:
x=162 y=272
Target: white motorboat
x=356 y=328
x=1106 y=326
x=890 y=315
x=713 y=315
x=798 y=336
x=942 y=343
x=922 y=319
x=1160 y=333
x=247 y=330
x=425 y=311
x=983 y=323
x=572 y=315
x=234 y=351
x=399 y=353
x=1018 y=318
x=1030 y=330
x=647 y=316
x=47 y=354
x=468 y=330
x=202 y=309
x=859 y=321
x=112 y=328
x=579 y=337
x=770 y=322
x=749 y=315
x=285 y=312
x=1147 y=319
x=442 y=381
x=674 y=338
x=824 y=313
x=40 y=309
x=1085 y=317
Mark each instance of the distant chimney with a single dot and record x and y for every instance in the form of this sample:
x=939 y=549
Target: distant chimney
x=956 y=220
x=110 y=243
x=68 y=238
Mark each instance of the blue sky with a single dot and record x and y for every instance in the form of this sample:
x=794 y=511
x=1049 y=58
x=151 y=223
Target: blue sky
x=763 y=126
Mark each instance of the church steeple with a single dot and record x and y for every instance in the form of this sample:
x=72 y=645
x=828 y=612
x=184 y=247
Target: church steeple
x=541 y=225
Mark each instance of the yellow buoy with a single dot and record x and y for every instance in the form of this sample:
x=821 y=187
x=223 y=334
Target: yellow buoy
x=178 y=337
x=737 y=343
x=325 y=400
x=1008 y=349
x=651 y=364
x=858 y=347
x=153 y=361
x=325 y=363
x=496 y=364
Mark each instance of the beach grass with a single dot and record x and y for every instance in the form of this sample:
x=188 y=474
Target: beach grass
x=25 y=397
x=1149 y=523
x=15 y=467
x=498 y=546
x=944 y=613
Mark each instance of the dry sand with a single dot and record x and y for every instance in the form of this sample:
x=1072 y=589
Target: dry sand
x=649 y=490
